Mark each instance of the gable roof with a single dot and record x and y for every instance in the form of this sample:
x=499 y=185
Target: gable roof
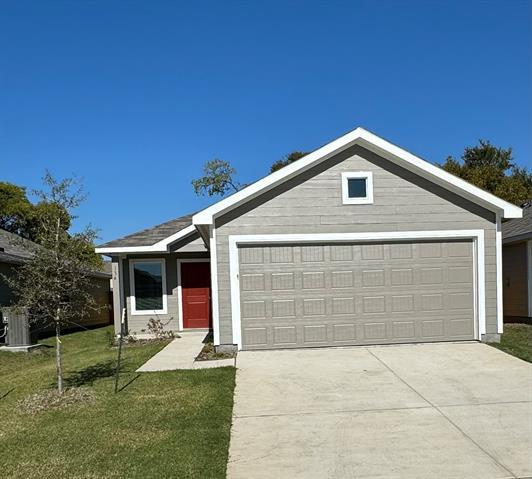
x=378 y=145
x=520 y=228
x=159 y=237
x=156 y=238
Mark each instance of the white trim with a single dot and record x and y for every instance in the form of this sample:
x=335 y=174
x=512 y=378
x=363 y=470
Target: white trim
x=145 y=312
x=498 y=260
x=475 y=290
x=476 y=235
x=179 y=262
x=159 y=247
x=214 y=286
x=366 y=175
x=529 y=275
x=378 y=145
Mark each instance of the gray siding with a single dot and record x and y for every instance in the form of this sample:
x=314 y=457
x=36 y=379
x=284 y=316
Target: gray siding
x=515 y=282
x=138 y=323
x=312 y=203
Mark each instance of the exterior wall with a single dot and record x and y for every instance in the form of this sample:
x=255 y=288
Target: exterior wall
x=6 y=295
x=138 y=323
x=101 y=293
x=99 y=289
x=312 y=203
x=515 y=281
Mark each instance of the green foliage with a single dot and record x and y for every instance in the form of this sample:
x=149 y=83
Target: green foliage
x=218 y=175
x=15 y=209
x=217 y=179
x=287 y=159
x=493 y=169
x=18 y=215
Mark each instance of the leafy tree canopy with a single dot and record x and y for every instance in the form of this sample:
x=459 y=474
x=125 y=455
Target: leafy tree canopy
x=20 y=216
x=492 y=169
x=217 y=179
x=219 y=176
x=15 y=209
x=287 y=159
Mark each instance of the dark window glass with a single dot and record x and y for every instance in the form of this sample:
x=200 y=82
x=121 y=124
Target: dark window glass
x=356 y=187
x=148 y=286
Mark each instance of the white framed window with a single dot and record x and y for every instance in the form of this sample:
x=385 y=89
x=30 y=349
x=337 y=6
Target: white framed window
x=147 y=280
x=357 y=188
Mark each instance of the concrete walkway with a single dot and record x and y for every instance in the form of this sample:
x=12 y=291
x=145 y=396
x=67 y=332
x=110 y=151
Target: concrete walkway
x=181 y=354
x=415 y=411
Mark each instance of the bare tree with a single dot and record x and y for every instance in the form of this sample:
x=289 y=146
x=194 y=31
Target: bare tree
x=53 y=286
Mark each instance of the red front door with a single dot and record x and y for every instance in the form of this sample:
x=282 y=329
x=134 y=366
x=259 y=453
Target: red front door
x=196 y=294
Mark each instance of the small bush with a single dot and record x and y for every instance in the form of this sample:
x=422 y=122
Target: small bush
x=156 y=328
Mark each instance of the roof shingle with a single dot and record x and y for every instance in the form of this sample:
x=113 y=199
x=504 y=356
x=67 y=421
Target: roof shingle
x=519 y=227
x=150 y=236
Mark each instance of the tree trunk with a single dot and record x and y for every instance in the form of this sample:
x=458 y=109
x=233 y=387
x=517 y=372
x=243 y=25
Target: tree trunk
x=58 y=357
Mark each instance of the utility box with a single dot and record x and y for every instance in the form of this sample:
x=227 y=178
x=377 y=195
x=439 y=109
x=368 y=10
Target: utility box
x=16 y=330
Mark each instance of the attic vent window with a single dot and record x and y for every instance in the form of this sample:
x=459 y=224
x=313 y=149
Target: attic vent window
x=357 y=188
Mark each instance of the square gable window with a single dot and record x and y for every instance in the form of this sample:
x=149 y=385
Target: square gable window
x=357 y=188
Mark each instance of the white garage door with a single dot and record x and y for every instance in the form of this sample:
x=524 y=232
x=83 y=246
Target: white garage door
x=309 y=295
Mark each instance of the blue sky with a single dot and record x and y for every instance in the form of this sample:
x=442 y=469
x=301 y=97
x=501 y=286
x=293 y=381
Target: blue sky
x=134 y=96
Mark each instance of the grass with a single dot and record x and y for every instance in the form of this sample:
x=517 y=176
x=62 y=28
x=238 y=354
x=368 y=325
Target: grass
x=171 y=424
x=517 y=341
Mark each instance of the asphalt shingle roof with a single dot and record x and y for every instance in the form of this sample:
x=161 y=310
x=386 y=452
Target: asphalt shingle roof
x=150 y=236
x=13 y=245
x=519 y=227
x=17 y=250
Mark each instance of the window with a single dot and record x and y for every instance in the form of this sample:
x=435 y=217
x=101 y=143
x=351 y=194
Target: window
x=357 y=187
x=148 y=286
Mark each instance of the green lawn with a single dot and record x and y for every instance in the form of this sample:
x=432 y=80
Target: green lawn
x=172 y=424
x=517 y=341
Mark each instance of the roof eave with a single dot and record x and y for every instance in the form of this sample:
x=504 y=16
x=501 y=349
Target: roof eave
x=159 y=247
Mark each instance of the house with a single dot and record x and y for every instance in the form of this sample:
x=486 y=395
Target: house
x=359 y=242
x=15 y=251
x=517 y=266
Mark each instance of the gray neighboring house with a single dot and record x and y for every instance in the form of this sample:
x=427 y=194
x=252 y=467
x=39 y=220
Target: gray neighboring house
x=517 y=266
x=359 y=242
x=15 y=251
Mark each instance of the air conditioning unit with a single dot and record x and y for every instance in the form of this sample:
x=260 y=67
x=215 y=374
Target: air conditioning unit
x=15 y=331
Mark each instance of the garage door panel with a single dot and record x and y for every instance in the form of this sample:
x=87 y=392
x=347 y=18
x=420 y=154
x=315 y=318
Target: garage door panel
x=312 y=295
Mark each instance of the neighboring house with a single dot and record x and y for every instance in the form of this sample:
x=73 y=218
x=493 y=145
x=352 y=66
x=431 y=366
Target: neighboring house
x=359 y=242
x=517 y=266
x=15 y=251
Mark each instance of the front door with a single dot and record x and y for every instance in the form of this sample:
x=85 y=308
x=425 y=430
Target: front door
x=196 y=294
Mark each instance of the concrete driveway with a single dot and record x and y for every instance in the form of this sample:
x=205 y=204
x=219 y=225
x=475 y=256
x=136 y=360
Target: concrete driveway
x=443 y=410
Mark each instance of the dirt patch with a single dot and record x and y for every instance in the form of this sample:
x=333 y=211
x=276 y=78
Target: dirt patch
x=51 y=400
x=208 y=353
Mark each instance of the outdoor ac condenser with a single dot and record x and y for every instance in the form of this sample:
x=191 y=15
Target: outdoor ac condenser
x=18 y=332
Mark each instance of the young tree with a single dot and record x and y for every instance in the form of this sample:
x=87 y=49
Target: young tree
x=494 y=170
x=53 y=286
x=217 y=179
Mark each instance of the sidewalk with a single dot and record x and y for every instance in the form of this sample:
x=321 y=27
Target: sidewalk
x=181 y=354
